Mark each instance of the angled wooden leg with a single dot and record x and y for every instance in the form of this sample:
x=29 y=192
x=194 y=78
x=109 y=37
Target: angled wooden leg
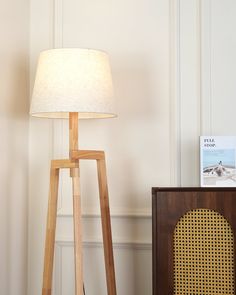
x=77 y=232
x=50 y=232
x=106 y=227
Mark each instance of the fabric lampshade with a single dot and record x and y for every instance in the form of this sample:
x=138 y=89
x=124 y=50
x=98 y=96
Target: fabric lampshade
x=73 y=80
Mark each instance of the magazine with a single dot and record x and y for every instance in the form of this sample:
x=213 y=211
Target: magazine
x=218 y=161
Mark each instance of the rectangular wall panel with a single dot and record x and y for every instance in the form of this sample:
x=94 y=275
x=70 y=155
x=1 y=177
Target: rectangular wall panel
x=133 y=269
x=219 y=61
x=136 y=36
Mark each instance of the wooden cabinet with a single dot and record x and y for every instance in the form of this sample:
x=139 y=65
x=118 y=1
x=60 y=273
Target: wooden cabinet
x=169 y=205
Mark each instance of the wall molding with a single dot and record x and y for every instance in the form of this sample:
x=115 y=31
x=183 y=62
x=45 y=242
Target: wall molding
x=96 y=243
x=58 y=23
x=90 y=244
x=188 y=90
x=174 y=76
x=187 y=99
x=123 y=213
x=206 y=69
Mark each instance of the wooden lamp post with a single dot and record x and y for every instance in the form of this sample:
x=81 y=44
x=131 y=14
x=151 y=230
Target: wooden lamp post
x=76 y=84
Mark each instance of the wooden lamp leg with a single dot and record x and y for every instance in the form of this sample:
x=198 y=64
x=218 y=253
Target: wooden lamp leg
x=106 y=227
x=78 y=250
x=50 y=233
x=74 y=173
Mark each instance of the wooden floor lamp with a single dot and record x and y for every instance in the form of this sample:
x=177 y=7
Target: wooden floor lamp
x=76 y=84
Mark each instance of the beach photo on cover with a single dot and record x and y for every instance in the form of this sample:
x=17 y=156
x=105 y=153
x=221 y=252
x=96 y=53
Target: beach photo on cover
x=219 y=167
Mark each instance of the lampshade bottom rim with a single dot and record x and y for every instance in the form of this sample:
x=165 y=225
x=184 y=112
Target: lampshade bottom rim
x=65 y=115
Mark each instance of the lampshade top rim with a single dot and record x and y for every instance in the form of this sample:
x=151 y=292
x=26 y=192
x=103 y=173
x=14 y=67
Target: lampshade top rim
x=74 y=49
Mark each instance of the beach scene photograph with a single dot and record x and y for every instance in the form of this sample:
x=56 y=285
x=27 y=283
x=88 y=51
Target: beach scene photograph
x=218 y=167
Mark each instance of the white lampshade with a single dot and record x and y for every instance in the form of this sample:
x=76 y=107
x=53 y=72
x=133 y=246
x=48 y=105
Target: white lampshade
x=73 y=80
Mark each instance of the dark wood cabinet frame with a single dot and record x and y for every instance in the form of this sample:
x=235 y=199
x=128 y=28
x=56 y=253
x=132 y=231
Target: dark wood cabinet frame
x=168 y=206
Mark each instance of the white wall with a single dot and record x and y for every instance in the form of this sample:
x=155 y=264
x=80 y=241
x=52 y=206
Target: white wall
x=14 y=28
x=173 y=65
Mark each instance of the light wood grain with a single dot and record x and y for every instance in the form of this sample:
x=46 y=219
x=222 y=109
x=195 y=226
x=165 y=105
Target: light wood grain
x=73 y=164
x=73 y=131
x=106 y=227
x=50 y=232
x=78 y=250
x=67 y=163
x=87 y=155
x=74 y=173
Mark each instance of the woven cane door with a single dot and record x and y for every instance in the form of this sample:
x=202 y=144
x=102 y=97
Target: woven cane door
x=203 y=254
x=193 y=241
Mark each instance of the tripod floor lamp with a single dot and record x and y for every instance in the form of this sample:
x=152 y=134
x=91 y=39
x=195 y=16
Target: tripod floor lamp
x=76 y=84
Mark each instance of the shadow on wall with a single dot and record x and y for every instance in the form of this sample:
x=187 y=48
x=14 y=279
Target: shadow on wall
x=136 y=89
x=139 y=108
x=128 y=138
x=14 y=171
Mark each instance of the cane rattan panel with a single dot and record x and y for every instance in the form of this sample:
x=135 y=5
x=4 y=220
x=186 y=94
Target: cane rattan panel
x=203 y=254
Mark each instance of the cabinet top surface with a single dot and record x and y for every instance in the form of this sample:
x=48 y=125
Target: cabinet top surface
x=192 y=189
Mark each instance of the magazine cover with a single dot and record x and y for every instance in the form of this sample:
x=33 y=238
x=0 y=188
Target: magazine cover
x=217 y=156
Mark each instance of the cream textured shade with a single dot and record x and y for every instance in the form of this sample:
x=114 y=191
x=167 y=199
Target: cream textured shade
x=73 y=80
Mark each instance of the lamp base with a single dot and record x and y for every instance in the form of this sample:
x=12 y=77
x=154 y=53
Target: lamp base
x=73 y=165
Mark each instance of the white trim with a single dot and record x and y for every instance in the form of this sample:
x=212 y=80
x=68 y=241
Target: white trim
x=57 y=274
x=58 y=23
x=189 y=90
x=206 y=71
x=198 y=68
x=96 y=243
x=58 y=43
x=175 y=134
x=143 y=214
